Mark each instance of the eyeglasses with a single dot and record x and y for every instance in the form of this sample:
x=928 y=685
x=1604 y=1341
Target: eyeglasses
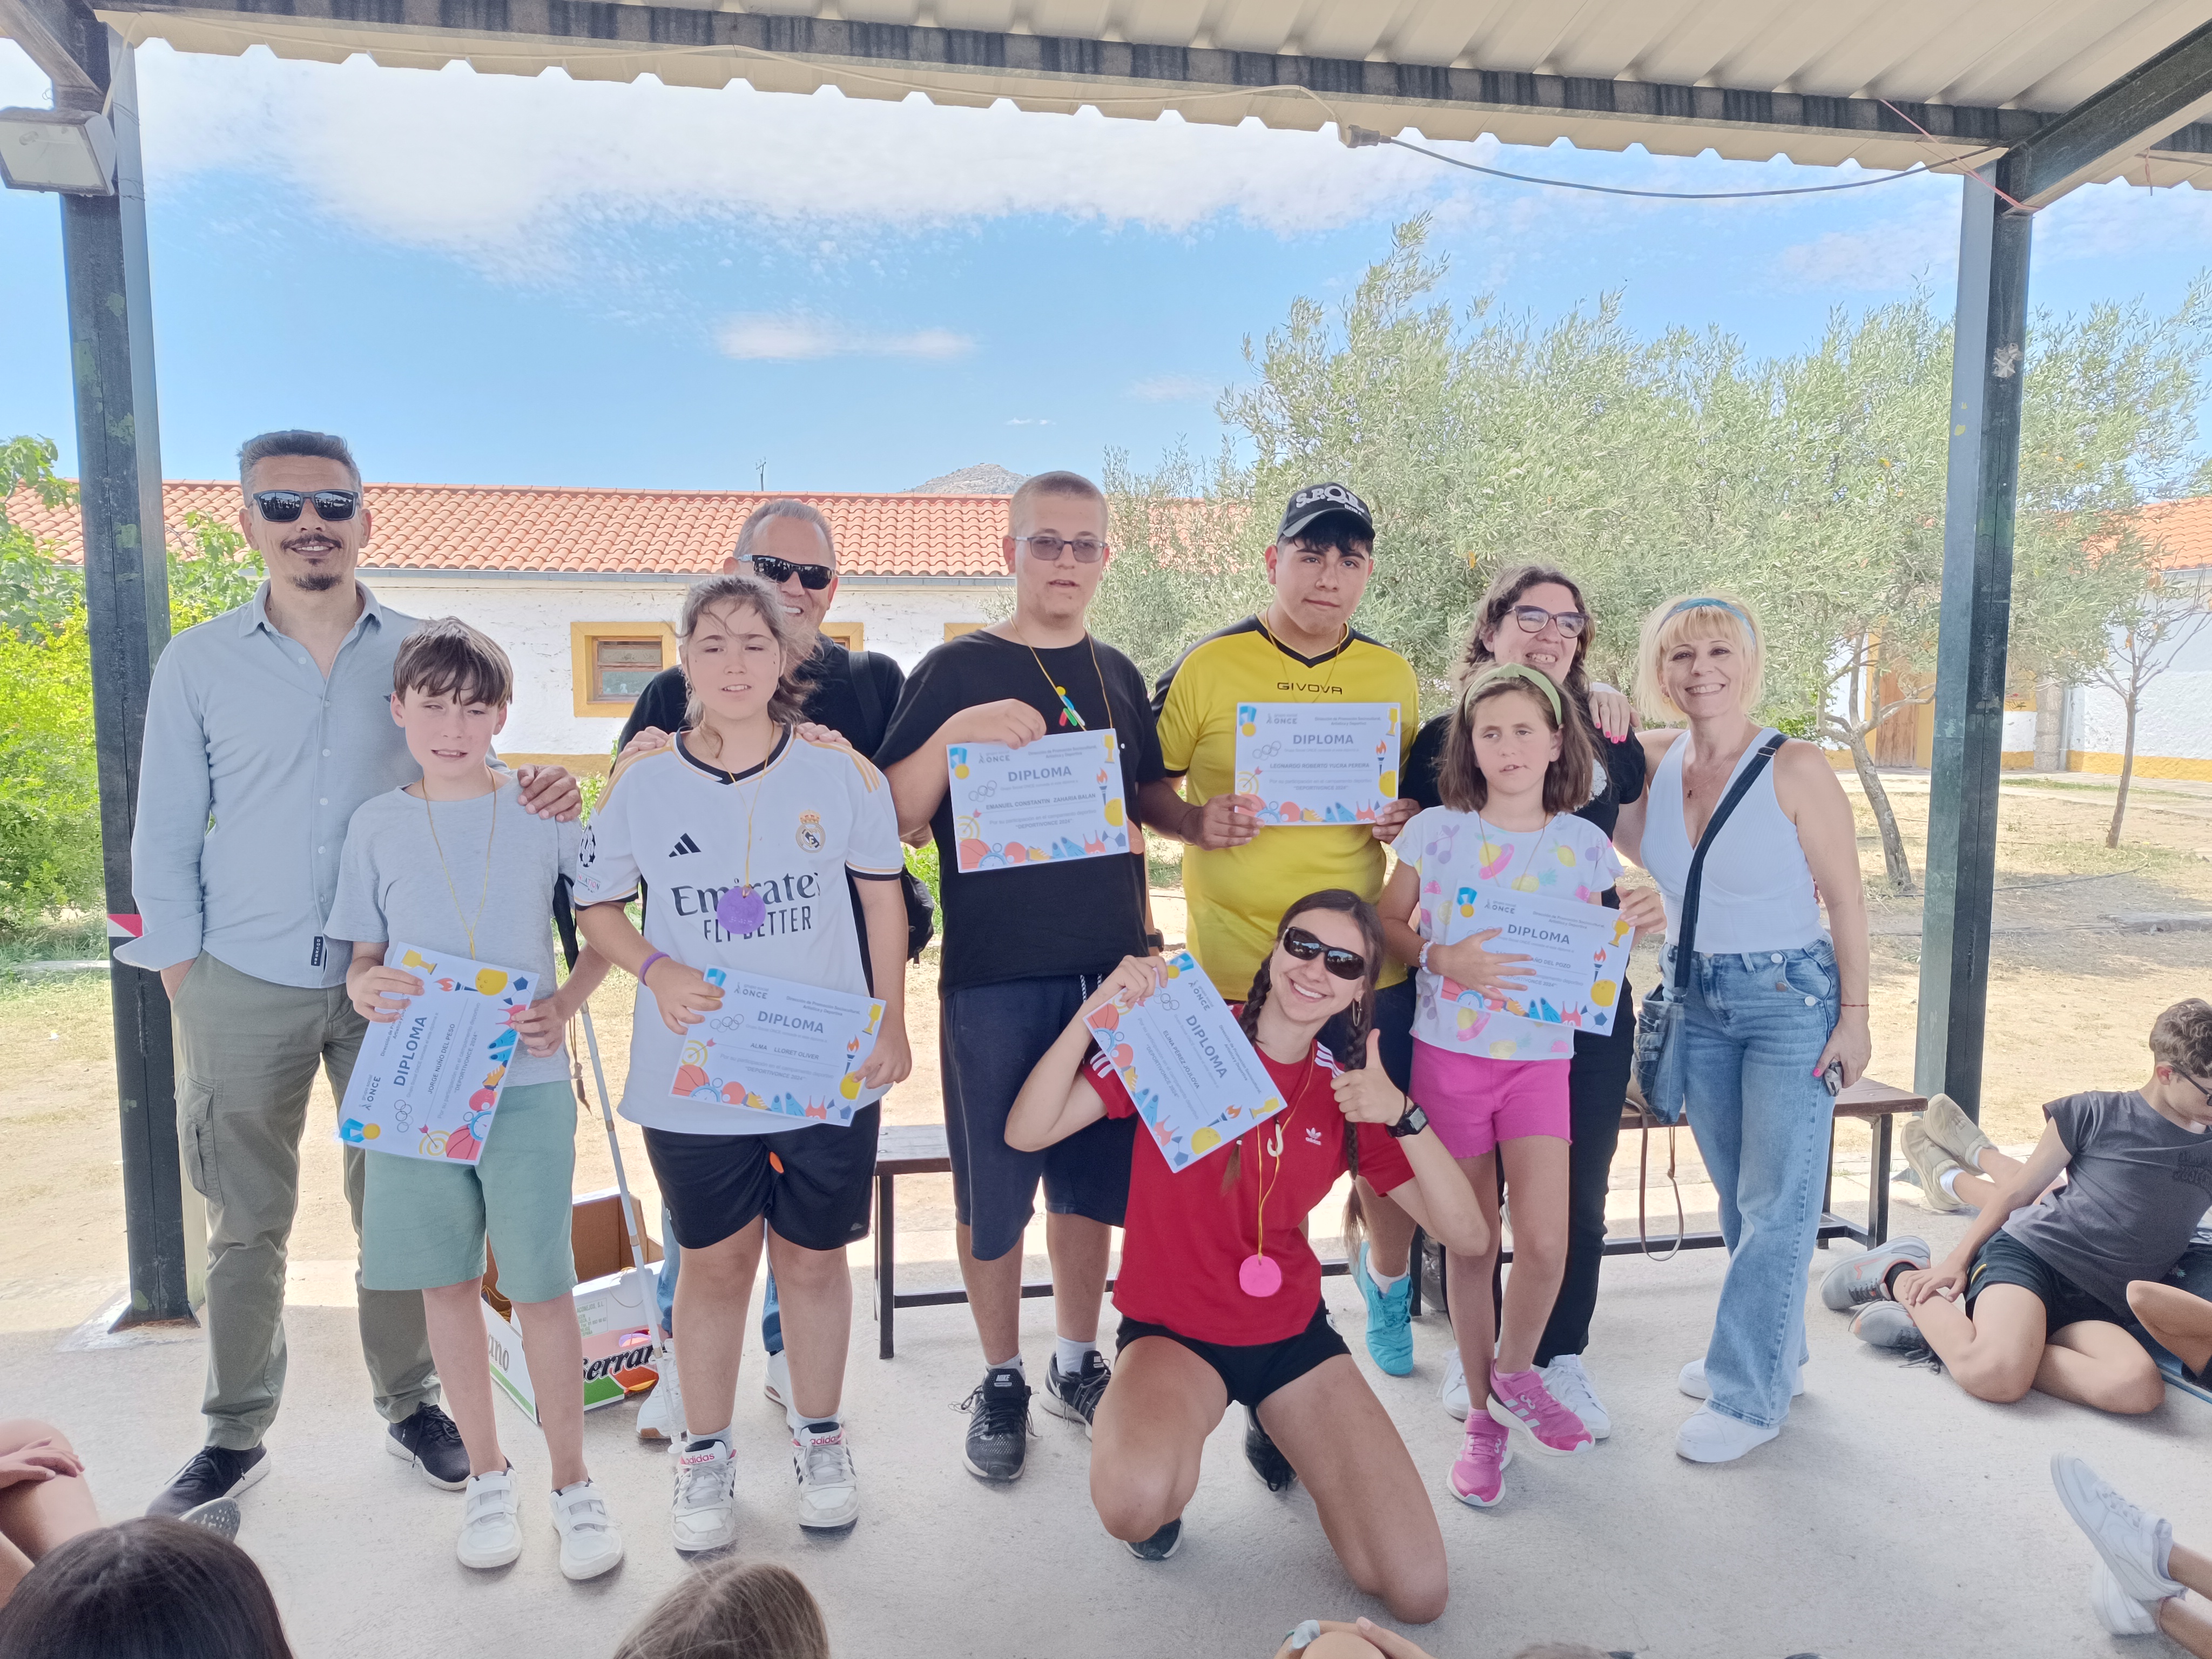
x=1047 y=547
x=1345 y=964
x=283 y=506
x=2194 y=1085
x=1532 y=618
x=776 y=571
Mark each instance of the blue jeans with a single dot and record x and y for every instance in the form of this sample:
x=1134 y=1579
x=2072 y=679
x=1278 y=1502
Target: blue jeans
x=671 y=1262
x=1752 y=1031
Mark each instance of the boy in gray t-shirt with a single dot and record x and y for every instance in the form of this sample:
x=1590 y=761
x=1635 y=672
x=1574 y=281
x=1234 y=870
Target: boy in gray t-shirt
x=451 y=864
x=2040 y=1293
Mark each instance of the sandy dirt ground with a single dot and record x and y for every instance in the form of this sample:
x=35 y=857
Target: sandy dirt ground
x=2072 y=997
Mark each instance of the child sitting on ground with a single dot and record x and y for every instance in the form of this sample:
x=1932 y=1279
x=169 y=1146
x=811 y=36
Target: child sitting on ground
x=2038 y=1293
x=732 y=1610
x=452 y=863
x=151 y=1588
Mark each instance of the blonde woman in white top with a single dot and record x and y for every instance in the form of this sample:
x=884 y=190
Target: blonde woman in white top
x=1775 y=1019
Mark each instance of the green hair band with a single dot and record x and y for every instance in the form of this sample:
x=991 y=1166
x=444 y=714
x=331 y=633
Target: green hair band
x=1499 y=673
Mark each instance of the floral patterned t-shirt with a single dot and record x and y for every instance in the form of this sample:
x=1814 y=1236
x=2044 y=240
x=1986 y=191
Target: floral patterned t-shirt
x=1569 y=859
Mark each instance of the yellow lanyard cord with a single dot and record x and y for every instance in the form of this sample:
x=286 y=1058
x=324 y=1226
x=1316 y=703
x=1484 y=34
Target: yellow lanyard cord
x=467 y=925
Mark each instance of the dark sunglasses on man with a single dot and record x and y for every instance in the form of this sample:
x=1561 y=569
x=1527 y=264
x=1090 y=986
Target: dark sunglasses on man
x=283 y=506
x=1345 y=964
x=776 y=571
x=1048 y=548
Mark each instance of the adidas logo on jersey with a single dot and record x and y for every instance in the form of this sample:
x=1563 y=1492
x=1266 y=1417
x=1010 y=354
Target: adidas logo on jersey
x=683 y=845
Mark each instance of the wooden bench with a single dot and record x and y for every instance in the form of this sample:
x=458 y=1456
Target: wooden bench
x=920 y=1148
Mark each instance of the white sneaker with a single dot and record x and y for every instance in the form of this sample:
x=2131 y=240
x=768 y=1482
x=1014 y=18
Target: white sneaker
x=660 y=1419
x=829 y=1495
x=491 y=1524
x=2119 y=1611
x=1708 y=1437
x=1453 y=1391
x=1692 y=1381
x=590 y=1542
x=777 y=1387
x=703 y=1515
x=1570 y=1385
x=2130 y=1540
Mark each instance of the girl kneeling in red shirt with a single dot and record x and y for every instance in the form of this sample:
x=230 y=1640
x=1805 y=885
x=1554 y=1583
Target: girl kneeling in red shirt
x=1219 y=1291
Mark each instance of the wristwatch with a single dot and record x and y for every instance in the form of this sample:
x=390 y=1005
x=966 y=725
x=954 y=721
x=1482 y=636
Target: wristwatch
x=1411 y=1122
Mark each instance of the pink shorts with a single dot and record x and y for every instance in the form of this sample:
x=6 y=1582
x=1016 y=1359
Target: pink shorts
x=1474 y=1102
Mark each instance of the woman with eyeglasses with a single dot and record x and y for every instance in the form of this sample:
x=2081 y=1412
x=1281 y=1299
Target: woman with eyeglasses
x=1533 y=616
x=1219 y=1290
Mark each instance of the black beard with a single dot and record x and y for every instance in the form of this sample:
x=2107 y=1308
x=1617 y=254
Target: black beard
x=317 y=582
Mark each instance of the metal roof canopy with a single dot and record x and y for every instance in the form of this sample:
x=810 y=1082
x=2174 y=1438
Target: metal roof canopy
x=2077 y=91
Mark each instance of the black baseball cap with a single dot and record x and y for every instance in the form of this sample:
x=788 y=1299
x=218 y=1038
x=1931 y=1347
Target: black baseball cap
x=1317 y=502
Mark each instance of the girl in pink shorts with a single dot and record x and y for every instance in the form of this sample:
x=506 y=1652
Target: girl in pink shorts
x=1492 y=1078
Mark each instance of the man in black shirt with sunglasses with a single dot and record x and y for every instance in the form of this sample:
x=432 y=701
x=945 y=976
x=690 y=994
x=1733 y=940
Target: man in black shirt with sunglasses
x=786 y=544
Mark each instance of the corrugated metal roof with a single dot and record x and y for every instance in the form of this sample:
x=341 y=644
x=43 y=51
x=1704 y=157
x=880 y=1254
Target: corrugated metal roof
x=674 y=532
x=1748 y=78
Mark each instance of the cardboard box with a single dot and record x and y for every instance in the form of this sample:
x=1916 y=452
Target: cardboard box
x=615 y=1308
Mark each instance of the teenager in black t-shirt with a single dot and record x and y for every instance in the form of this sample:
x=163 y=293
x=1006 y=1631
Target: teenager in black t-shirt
x=1024 y=947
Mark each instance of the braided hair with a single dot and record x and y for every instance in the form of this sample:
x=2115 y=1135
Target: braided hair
x=1346 y=1033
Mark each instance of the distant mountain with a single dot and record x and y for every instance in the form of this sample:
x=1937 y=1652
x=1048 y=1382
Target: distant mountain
x=984 y=478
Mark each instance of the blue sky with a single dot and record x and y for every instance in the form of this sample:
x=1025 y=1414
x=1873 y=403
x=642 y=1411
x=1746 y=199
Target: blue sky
x=492 y=280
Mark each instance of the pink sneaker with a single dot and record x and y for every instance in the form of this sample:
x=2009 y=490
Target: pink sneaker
x=1519 y=1400
x=1478 y=1478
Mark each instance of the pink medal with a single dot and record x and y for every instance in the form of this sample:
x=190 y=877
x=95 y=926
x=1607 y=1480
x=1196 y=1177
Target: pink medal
x=1258 y=1276
x=740 y=910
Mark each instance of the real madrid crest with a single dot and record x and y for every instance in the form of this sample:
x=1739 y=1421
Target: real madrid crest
x=810 y=831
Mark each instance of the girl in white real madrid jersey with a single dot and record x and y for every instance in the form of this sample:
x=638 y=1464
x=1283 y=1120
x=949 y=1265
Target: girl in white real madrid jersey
x=751 y=844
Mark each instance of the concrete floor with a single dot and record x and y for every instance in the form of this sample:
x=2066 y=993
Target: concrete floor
x=1894 y=1517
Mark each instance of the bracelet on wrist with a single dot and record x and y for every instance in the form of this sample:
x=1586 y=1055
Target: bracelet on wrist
x=657 y=956
x=1851 y=1004
x=1422 y=962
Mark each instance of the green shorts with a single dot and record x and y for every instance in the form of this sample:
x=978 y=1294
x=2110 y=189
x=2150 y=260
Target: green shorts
x=423 y=1221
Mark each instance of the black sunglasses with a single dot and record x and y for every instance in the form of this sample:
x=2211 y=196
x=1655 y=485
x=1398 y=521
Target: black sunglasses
x=811 y=577
x=1048 y=548
x=283 y=506
x=1345 y=964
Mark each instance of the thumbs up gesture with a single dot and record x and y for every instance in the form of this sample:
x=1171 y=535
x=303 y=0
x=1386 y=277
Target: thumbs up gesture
x=1367 y=1096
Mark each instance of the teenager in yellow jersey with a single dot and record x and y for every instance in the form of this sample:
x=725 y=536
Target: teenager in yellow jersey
x=1238 y=876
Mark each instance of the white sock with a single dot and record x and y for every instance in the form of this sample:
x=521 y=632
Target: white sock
x=1014 y=1364
x=1070 y=1352
x=803 y=1428
x=1389 y=1284
x=1949 y=1181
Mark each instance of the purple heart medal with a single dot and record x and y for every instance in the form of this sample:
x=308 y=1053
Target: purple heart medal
x=741 y=911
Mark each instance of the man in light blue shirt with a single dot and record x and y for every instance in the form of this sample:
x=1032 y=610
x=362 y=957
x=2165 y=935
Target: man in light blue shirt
x=265 y=728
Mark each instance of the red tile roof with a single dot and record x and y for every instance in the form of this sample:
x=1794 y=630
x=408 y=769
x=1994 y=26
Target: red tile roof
x=2182 y=529
x=677 y=533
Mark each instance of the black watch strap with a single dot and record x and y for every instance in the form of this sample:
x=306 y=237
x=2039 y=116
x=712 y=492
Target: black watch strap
x=1411 y=1122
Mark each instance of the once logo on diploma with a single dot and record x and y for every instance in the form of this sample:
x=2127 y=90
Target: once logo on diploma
x=775 y=1045
x=1055 y=799
x=427 y=1084
x=1184 y=1060
x=1317 y=762
x=1576 y=956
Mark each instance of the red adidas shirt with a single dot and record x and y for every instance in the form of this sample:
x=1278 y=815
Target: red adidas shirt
x=1185 y=1236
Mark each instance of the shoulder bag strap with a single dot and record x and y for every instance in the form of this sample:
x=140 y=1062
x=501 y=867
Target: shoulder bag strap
x=1687 y=945
x=870 y=695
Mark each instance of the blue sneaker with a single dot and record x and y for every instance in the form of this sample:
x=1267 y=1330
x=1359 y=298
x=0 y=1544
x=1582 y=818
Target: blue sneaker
x=1390 y=1323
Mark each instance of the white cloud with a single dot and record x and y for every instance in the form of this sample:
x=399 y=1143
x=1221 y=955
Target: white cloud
x=797 y=338
x=1883 y=257
x=517 y=174
x=2106 y=221
x=1173 y=389
x=1020 y=419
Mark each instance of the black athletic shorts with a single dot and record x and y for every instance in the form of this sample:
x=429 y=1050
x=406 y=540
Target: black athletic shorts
x=2005 y=1261
x=813 y=1184
x=1251 y=1374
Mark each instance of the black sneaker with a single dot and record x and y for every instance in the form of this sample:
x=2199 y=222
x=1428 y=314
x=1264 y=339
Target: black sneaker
x=1076 y=1398
x=429 y=1440
x=215 y=1472
x=1161 y=1545
x=1265 y=1456
x=999 y=1431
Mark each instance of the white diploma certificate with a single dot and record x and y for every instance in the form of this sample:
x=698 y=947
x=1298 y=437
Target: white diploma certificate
x=427 y=1084
x=1313 y=762
x=1055 y=799
x=1196 y=1081
x=774 y=1046
x=1576 y=954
